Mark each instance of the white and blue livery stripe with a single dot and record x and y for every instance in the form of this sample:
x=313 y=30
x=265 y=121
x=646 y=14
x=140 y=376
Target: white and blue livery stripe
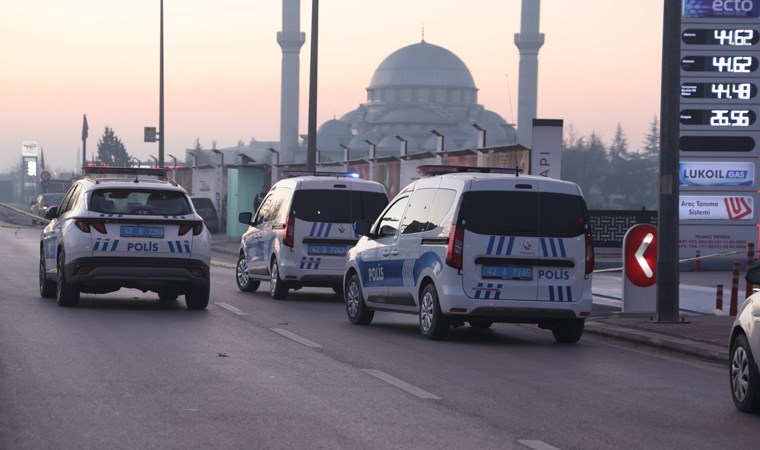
x=178 y=247
x=102 y=245
x=309 y=263
x=553 y=247
x=560 y=294
x=484 y=292
x=496 y=245
x=322 y=231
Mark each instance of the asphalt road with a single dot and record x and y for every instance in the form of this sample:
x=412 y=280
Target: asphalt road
x=125 y=370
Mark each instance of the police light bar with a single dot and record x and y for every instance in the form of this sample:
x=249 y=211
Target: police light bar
x=432 y=170
x=127 y=171
x=296 y=173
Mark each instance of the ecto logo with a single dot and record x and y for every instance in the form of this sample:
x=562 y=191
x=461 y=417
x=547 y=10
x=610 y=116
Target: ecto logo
x=720 y=8
x=737 y=207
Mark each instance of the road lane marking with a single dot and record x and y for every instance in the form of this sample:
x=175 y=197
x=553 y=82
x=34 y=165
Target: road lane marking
x=231 y=308
x=537 y=445
x=297 y=338
x=403 y=385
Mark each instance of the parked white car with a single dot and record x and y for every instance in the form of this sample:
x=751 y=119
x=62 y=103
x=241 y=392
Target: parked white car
x=744 y=348
x=125 y=228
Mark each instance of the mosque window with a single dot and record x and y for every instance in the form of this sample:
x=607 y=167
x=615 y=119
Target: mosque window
x=423 y=95
x=456 y=95
x=440 y=95
x=406 y=95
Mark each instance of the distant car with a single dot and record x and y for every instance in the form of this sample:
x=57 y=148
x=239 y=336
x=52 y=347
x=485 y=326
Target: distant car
x=125 y=228
x=744 y=348
x=43 y=202
x=205 y=208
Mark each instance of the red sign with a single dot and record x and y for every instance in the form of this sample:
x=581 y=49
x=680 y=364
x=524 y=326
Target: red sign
x=640 y=253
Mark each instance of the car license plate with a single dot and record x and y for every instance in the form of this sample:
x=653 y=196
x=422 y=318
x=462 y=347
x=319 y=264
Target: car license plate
x=330 y=250
x=137 y=231
x=508 y=272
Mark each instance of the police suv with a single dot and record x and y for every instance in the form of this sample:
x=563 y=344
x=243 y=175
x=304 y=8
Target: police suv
x=479 y=246
x=302 y=231
x=125 y=228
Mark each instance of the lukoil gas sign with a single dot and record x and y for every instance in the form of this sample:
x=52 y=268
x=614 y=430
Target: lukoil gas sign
x=705 y=173
x=716 y=207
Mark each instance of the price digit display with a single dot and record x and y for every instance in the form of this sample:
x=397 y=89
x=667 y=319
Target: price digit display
x=718 y=117
x=740 y=37
x=730 y=91
x=722 y=64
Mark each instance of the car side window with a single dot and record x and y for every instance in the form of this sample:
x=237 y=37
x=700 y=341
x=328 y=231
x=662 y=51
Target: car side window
x=389 y=222
x=70 y=200
x=416 y=217
x=264 y=213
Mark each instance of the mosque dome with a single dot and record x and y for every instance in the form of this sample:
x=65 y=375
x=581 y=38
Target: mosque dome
x=424 y=65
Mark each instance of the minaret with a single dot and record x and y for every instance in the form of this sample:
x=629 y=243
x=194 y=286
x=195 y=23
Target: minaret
x=290 y=39
x=528 y=41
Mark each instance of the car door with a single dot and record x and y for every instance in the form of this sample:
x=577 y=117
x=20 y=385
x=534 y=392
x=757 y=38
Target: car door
x=378 y=259
x=257 y=241
x=52 y=232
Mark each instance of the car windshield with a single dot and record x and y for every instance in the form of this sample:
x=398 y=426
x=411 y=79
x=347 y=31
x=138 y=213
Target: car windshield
x=139 y=201
x=52 y=198
x=334 y=206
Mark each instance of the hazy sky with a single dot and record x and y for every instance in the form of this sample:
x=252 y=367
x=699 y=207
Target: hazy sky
x=600 y=66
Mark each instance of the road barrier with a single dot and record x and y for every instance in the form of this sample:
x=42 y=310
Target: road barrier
x=734 y=290
x=719 y=299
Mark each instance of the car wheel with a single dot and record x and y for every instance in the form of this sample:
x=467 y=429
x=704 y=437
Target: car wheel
x=66 y=294
x=197 y=298
x=568 y=331
x=744 y=377
x=47 y=287
x=433 y=325
x=480 y=323
x=244 y=281
x=356 y=309
x=277 y=288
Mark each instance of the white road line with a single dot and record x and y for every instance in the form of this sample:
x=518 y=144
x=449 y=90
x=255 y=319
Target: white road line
x=537 y=445
x=231 y=308
x=297 y=338
x=414 y=390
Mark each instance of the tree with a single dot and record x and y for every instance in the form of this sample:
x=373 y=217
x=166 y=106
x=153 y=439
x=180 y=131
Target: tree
x=111 y=150
x=585 y=163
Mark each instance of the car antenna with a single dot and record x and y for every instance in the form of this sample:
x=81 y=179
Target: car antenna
x=517 y=170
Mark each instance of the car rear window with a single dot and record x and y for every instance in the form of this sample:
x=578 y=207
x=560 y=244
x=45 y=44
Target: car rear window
x=139 y=201
x=510 y=213
x=337 y=206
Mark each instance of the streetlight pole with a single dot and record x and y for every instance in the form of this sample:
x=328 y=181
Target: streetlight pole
x=311 y=150
x=155 y=160
x=174 y=167
x=161 y=130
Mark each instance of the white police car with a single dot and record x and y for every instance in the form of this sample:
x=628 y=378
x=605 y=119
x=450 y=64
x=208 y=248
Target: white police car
x=302 y=230
x=125 y=228
x=744 y=348
x=476 y=246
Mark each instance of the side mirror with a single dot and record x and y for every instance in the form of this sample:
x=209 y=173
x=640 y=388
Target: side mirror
x=51 y=213
x=362 y=226
x=753 y=276
x=245 y=217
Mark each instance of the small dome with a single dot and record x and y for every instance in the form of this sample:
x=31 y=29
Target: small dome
x=334 y=128
x=424 y=65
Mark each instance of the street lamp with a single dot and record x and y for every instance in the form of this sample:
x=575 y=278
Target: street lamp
x=439 y=147
x=346 y=153
x=155 y=160
x=481 y=135
x=139 y=163
x=195 y=158
x=275 y=163
x=174 y=166
x=403 y=145
x=371 y=148
x=218 y=152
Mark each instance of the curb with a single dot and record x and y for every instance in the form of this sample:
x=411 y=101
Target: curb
x=704 y=351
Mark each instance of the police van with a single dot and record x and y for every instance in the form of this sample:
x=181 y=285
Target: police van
x=302 y=231
x=476 y=245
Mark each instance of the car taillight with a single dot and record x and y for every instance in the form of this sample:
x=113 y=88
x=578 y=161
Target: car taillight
x=86 y=226
x=589 y=252
x=455 y=248
x=288 y=236
x=184 y=227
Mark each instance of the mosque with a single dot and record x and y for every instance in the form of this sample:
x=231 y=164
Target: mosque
x=422 y=98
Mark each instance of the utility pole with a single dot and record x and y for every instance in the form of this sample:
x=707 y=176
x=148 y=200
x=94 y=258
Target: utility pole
x=311 y=149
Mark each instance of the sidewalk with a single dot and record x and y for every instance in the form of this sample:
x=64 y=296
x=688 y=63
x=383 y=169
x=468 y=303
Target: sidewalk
x=700 y=332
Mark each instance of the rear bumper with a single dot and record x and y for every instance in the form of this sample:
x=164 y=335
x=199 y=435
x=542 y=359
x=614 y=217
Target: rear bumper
x=139 y=273
x=514 y=311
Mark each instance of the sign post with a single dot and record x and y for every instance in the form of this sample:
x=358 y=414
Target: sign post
x=640 y=270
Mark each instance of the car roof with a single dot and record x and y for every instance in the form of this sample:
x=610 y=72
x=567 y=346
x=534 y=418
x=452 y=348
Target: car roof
x=495 y=181
x=327 y=182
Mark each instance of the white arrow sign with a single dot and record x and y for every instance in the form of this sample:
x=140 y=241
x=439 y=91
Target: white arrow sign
x=640 y=255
